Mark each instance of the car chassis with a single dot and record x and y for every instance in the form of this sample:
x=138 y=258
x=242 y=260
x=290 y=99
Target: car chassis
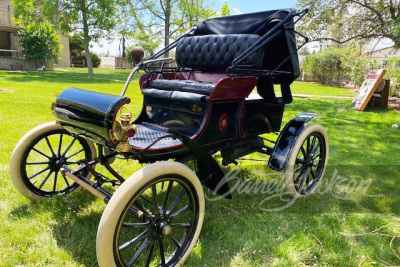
x=190 y=112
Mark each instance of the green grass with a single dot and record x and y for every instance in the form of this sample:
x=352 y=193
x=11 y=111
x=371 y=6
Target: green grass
x=313 y=231
x=319 y=89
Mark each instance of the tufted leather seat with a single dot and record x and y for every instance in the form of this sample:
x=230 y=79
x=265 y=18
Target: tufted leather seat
x=207 y=53
x=216 y=52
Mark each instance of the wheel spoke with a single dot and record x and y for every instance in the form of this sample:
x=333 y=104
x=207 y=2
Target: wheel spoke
x=179 y=212
x=180 y=225
x=45 y=179
x=139 y=252
x=311 y=183
x=37 y=163
x=312 y=174
x=145 y=199
x=303 y=151
x=48 y=143
x=143 y=209
x=69 y=147
x=177 y=244
x=59 y=145
x=138 y=225
x=300 y=175
x=39 y=172
x=41 y=153
x=150 y=255
x=65 y=179
x=308 y=145
x=176 y=201
x=299 y=168
x=307 y=173
x=300 y=161
x=316 y=156
x=164 y=205
x=154 y=194
x=313 y=143
x=161 y=244
x=55 y=181
x=316 y=148
x=76 y=153
x=136 y=239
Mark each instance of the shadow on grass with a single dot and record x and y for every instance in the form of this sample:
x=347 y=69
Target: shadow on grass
x=237 y=232
x=68 y=77
x=73 y=223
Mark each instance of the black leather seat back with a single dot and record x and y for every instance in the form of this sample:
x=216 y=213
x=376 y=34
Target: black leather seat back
x=216 y=52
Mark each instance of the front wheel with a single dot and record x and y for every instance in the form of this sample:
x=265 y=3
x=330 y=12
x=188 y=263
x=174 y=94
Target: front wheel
x=38 y=157
x=153 y=219
x=307 y=162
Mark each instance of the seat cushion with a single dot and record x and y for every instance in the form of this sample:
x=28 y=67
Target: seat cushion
x=175 y=95
x=216 y=52
x=203 y=88
x=147 y=134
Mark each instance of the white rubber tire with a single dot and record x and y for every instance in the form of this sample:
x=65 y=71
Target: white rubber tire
x=19 y=150
x=111 y=214
x=288 y=176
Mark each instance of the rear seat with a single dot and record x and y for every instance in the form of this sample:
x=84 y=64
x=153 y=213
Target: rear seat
x=213 y=53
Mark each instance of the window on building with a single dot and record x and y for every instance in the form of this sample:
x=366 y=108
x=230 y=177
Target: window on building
x=5 y=44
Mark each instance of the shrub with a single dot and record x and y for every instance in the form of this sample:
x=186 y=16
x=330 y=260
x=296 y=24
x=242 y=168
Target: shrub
x=96 y=61
x=326 y=65
x=393 y=74
x=40 y=42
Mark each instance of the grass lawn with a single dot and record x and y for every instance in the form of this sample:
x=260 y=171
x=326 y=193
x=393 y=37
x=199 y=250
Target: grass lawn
x=353 y=220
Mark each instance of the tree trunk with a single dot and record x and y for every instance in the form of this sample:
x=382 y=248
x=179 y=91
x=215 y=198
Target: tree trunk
x=88 y=58
x=123 y=46
x=86 y=38
x=167 y=25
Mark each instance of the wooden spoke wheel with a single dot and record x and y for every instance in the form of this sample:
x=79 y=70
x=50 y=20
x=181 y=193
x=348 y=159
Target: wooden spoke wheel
x=307 y=163
x=40 y=154
x=153 y=219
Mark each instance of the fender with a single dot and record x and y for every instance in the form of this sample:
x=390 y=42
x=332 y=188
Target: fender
x=286 y=140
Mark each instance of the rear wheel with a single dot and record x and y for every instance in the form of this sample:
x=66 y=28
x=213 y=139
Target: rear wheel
x=38 y=157
x=153 y=219
x=307 y=162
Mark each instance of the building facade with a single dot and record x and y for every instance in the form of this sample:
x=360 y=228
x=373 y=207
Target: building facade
x=11 y=56
x=382 y=55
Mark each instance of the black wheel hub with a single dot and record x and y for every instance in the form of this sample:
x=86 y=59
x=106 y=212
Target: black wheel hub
x=309 y=161
x=160 y=227
x=57 y=162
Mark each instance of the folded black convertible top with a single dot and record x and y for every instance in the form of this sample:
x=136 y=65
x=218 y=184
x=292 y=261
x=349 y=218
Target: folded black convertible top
x=260 y=23
x=253 y=23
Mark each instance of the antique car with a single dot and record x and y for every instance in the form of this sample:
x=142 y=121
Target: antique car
x=195 y=105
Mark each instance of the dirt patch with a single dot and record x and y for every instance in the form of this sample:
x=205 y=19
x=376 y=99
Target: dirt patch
x=394 y=103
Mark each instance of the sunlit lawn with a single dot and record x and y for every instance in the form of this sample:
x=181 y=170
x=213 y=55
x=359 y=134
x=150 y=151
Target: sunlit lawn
x=335 y=227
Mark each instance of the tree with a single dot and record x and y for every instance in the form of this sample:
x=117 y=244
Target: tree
x=90 y=17
x=40 y=42
x=342 y=21
x=328 y=64
x=165 y=19
x=225 y=10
